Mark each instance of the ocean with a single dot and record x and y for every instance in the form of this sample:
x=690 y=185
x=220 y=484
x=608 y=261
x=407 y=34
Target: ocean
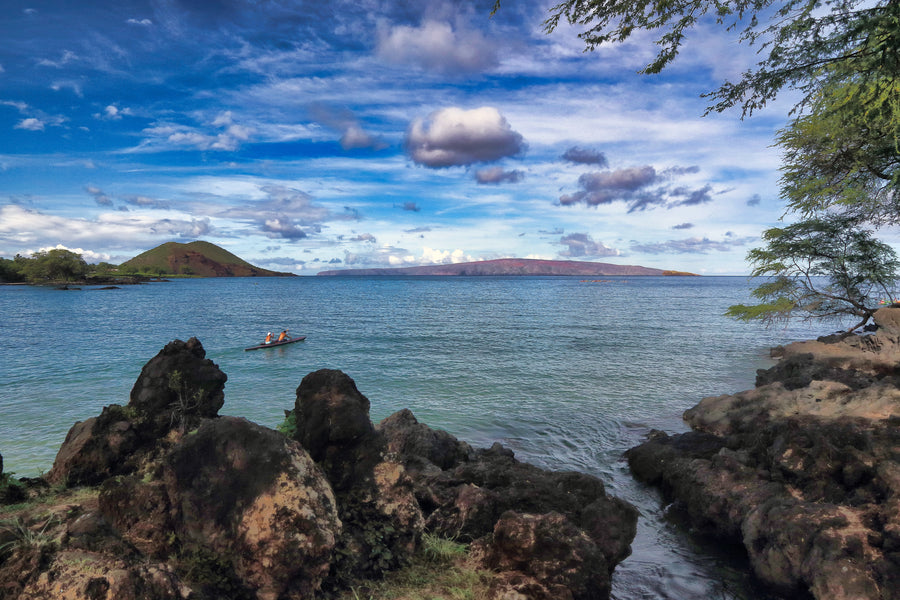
x=568 y=373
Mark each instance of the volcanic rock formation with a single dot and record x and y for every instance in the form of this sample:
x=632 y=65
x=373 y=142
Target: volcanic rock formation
x=803 y=470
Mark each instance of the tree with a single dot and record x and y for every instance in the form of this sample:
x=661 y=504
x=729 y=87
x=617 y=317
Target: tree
x=825 y=267
x=55 y=265
x=805 y=44
x=844 y=154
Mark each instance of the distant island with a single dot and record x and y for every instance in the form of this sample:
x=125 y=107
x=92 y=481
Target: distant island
x=513 y=266
x=197 y=259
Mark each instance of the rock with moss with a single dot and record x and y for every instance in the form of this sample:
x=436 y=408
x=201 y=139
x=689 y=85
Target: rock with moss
x=382 y=521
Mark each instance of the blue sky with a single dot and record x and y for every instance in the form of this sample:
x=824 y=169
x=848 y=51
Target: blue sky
x=309 y=136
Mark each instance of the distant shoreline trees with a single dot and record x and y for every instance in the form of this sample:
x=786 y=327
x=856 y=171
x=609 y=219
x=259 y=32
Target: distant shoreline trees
x=60 y=266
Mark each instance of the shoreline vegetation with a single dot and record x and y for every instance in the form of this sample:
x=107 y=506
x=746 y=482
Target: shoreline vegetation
x=164 y=494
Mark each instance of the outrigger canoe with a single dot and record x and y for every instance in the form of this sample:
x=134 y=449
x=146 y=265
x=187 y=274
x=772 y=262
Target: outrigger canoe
x=299 y=338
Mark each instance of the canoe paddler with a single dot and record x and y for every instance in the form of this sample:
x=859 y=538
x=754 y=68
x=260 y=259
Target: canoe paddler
x=268 y=338
x=282 y=336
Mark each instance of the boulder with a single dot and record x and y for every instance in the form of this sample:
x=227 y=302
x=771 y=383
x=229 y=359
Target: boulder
x=96 y=449
x=177 y=388
x=414 y=441
x=237 y=497
x=382 y=521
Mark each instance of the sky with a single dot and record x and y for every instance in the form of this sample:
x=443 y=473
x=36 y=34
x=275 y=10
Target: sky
x=310 y=136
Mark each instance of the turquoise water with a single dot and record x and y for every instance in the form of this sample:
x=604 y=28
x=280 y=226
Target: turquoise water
x=568 y=373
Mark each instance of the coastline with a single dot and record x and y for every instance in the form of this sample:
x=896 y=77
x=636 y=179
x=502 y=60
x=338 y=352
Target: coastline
x=803 y=471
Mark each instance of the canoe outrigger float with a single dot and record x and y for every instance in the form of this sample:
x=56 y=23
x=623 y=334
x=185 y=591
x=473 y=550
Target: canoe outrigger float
x=299 y=338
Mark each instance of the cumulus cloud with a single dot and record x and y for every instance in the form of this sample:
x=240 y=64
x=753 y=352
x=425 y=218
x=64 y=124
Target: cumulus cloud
x=168 y=135
x=641 y=188
x=143 y=22
x=683 y=226
x=113 y=113
x=391 y=256
x=30 y=124
x=497 y=175
x=585 y=156
x=694 y=245
x=354 y=138
x=456 y=137
x=436 y=46
x=582 y=245
x=281 y=226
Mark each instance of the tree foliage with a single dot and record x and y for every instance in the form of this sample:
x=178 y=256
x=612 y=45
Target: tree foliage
x=845 y=154
x=804 y=44
x=823 y=268
x=54 y=265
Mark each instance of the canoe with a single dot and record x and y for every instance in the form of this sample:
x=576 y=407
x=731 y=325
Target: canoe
x=299 y=338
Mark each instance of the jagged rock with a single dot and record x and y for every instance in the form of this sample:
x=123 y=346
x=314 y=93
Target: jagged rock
x=803 y=470
x=382 y=521
x=474 y=494
x=96 y=449
x=468 y=498
x=413 y=440
x=177 y=388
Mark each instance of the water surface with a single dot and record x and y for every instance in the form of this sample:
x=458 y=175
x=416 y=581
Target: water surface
x=566 y=372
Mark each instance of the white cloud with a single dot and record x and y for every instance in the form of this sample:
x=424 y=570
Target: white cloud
x=457 y=137
x=30 y=124
x=436 y=46
x=88 y=255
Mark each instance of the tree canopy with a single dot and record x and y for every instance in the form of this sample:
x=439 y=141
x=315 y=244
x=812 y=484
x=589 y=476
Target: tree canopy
x=54 y=265
x=826 y=267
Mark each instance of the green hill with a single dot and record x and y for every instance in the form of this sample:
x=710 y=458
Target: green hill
x=200 y=259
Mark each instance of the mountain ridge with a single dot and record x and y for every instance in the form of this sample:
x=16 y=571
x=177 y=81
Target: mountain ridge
x=511 y=266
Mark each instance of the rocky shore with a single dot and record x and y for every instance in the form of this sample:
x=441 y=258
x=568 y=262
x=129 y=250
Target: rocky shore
x=166 y=499
x=803 y=470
